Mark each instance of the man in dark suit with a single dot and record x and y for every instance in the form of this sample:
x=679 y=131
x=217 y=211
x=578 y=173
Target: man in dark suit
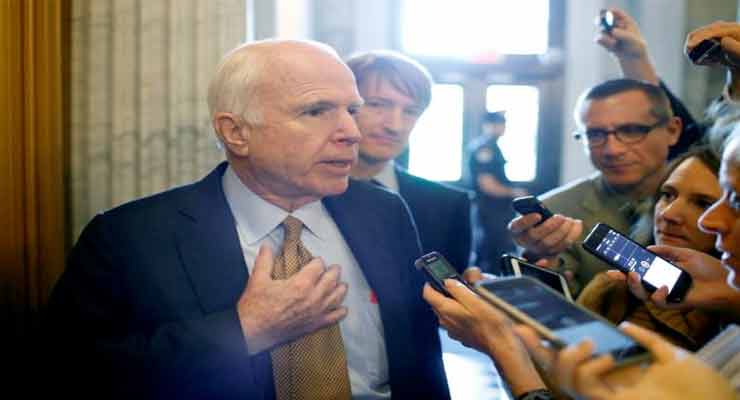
x=180 y=295
x=397 y=90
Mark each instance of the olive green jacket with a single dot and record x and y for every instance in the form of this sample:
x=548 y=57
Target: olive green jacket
x=589 y=200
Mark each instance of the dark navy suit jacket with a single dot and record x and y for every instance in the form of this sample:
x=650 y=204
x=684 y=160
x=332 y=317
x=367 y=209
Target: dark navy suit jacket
x=442 y=216
x=147 y=305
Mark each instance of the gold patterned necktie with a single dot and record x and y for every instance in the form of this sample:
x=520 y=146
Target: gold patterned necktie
x=313 y=366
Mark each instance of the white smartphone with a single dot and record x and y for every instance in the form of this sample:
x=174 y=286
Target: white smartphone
x=516 y=266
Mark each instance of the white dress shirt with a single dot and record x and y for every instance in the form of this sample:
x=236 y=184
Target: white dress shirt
x=258 y=222
x=387 y=176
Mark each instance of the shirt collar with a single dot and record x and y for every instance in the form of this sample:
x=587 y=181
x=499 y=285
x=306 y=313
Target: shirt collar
x=387 y=176
x=258 y=218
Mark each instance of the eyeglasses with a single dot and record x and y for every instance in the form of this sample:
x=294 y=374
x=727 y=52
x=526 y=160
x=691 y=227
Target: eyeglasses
x=627 y=133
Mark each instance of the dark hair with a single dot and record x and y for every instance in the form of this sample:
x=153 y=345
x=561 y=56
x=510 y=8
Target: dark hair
x=406 y=75
x=708 y=156
x=661 y=106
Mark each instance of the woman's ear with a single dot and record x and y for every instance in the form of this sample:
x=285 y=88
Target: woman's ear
x=233 y=132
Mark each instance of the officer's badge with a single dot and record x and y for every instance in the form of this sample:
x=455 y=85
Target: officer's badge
x=484 y=155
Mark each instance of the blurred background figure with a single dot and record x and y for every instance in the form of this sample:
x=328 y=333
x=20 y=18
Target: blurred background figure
x=494 y=193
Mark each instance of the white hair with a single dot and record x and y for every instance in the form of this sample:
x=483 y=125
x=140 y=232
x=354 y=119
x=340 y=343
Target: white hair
x=235 y=86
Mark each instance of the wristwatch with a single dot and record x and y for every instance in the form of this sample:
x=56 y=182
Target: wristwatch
x=539 y=394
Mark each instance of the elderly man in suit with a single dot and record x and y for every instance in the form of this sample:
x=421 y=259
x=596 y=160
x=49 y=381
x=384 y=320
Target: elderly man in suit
x=397 y=90
x=273 y=277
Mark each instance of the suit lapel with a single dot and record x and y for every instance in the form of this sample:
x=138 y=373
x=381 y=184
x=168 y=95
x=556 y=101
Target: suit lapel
x=364 y=235
x=209 y=244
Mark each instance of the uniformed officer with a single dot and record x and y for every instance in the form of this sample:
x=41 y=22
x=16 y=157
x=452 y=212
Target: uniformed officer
x=494 y=191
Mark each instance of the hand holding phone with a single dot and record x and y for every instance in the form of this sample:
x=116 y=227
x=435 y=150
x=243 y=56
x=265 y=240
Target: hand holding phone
x=708 y=51
x=626 y=255
x=437 y=269
x=559 y=321
x=530 y=204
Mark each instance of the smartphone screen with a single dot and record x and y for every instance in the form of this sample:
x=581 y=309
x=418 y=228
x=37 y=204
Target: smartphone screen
x=568 y=322
x=632 y=257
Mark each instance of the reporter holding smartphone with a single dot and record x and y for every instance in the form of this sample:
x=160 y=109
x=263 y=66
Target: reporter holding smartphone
x=629 y=162
x=689 y=188
x=475 y=323
x=675 y=374
x=728 y=35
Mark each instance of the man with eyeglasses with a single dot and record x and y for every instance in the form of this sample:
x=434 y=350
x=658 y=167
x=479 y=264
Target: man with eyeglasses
x=627 y=128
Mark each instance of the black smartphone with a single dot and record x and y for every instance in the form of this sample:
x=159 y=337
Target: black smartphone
x=437 y=269
x=515 y=266
x=530 y=204
x=606 y=21
x=626 y=255
x=706 y=52
x=558 y=320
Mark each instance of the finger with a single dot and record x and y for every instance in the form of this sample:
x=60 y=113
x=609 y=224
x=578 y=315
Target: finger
x=717 y=29
x=472 y=274
x=660 y=296
x=550 y=230
x=606 y=41
x=569 y=360
x=442 y=305
x=523 y=222
x=322 y=291
x=330 y=318
x=557 y=239
x=635 y=284
x=542 y=355
x=312 y=272
x=462 y=294
x=616 y=275
x=543 y=262
x=575 y=231
x=432 y=296
x=335 y=298
x=589 y=377
x=669 y=252
x=549 y=263
x=263 y=265
x=661 y=350
x=731 y=47
x=328 y=280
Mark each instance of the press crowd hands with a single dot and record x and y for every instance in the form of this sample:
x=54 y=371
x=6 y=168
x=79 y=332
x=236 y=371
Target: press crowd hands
x=548 y=239
x=727 y=36
x=709 y=291
x=519 y=352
